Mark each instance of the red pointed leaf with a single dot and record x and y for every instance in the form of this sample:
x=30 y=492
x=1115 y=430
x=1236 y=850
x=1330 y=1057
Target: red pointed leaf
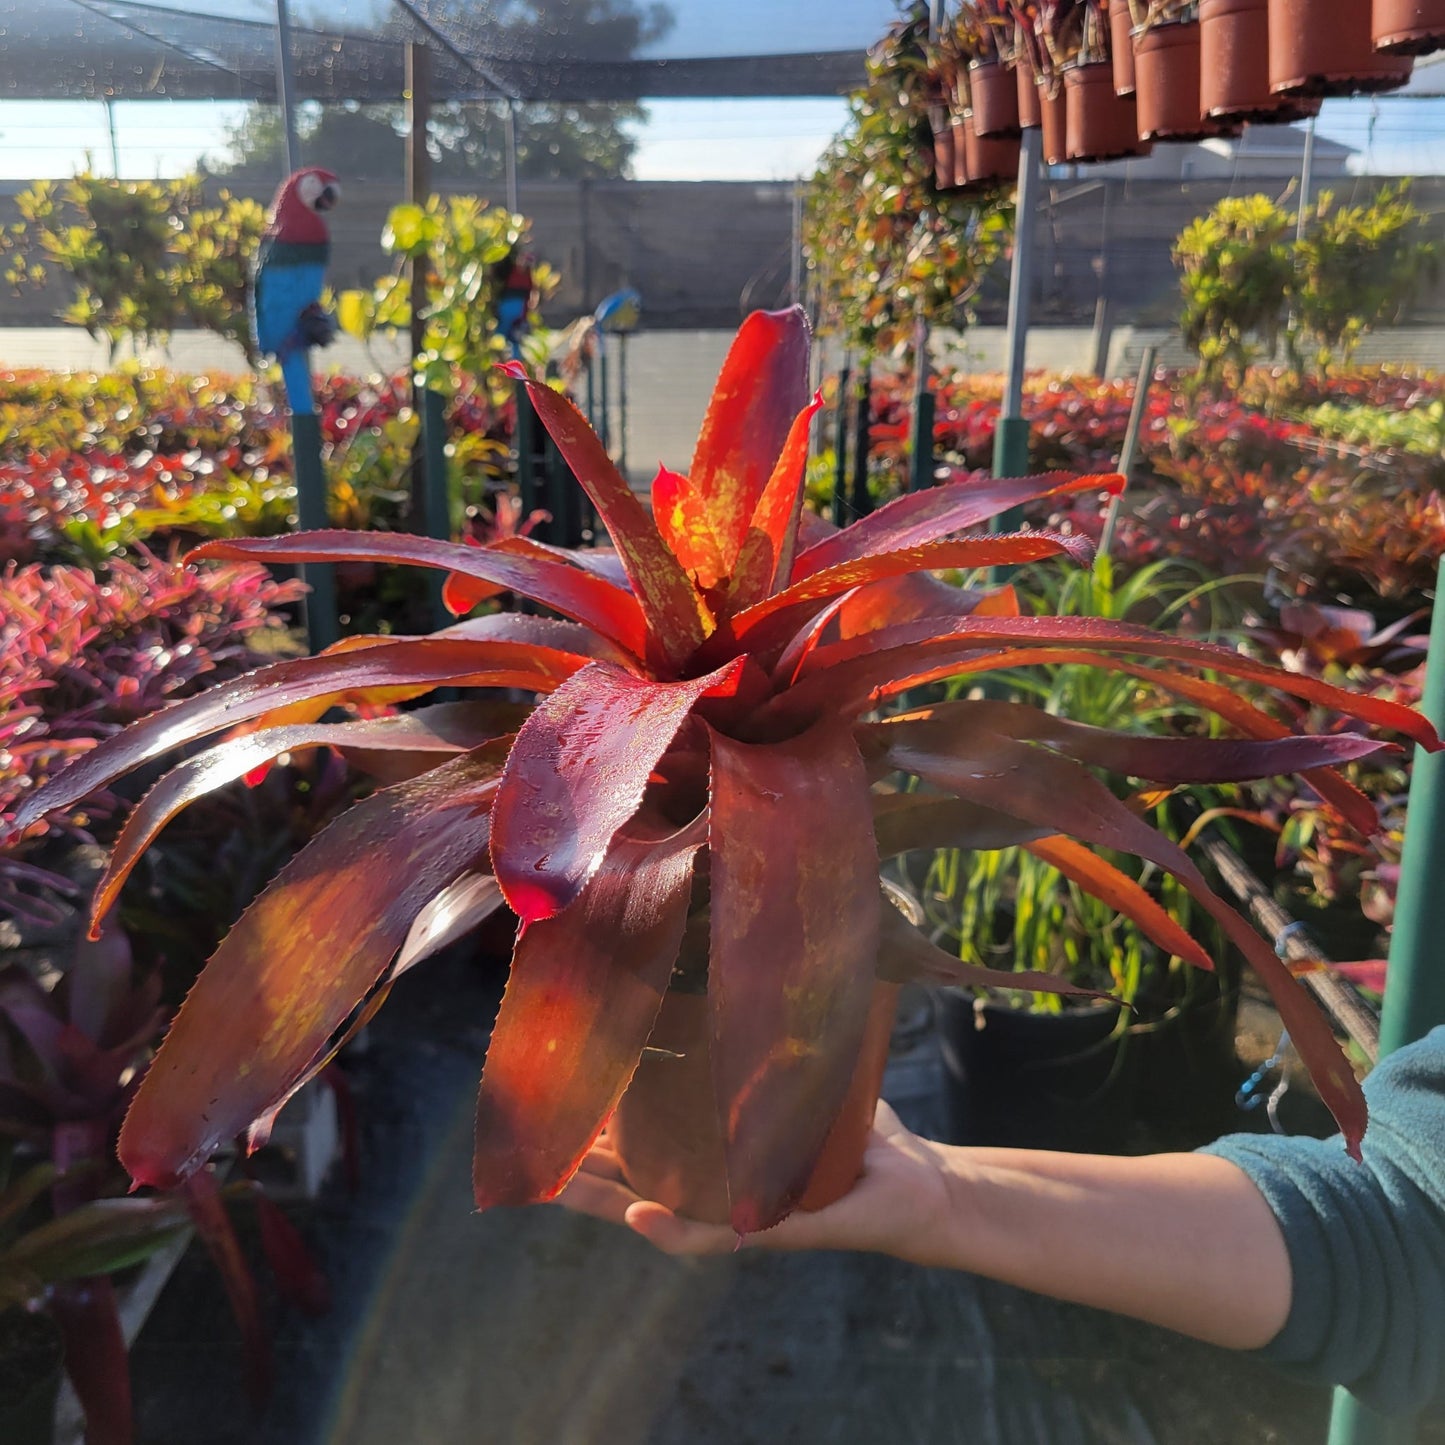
x=213 y=1224
x=1122 y=893
x=761 y=389
x=548 y=632
x=228 y=762
x=577 y=773
x=677 y=618
x=774 y=620
x=906 y=956
x=571 y=591
x=686 y=527
x=1042 y=787
x=765 y=559
x=95 y=1357
x=301 y=959
x=420 y=662
x=1352 y=805
x=905 y=822
x=937 y=512
x=1170 y=760
x=887 y=603
x=847 y=675
x=299 y=1278
x=795 y=917
x=582 y=997
x=460 y=594
x=451 y=915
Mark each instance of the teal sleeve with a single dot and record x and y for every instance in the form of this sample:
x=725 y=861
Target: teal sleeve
x=1366 y=1240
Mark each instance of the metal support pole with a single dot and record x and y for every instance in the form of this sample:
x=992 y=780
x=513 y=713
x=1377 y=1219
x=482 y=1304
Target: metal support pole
x=322 y=627
x=622 y=403
x=1306 y=179
x=861 y=502
x=1130 y=449
x=510 y=147
x=920 y=468
x=114 y=139
x=528 y=487
x=285 y=96
x=436 y=493
x=1415 y=988
x=418 y=173
x=1011 y=439
x=840 y=446
x=604 y=431
x=795 y=246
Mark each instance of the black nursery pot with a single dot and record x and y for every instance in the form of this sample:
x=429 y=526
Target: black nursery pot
x=1016 y=1079
x=30 y=1368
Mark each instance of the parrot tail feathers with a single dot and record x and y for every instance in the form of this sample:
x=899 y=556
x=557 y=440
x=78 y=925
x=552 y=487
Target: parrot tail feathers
x=315 y=326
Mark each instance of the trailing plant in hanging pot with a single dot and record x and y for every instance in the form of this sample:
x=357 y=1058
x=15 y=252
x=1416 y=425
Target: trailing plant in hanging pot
x=1326 y=47
x=1234 y=66
x=1166 y=71
x=1408 y=27
x=1027 y=63
x=993 y=90
x=881 y=240
x=1055 y=35
x=1121 y=46
x=1101 y=125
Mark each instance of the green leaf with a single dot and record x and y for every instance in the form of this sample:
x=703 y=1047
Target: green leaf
x=408 y=229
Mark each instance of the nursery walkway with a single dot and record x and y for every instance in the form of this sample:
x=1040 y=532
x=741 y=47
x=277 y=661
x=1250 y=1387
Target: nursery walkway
x=536 y=1327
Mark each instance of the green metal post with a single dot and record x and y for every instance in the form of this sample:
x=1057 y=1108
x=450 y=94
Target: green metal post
x=1415 y=995
x=920 y=472
x=1352 y=1423
x=1011 y=439
x=322 y=627
x=840 y=446
x=436 y=519
x=860 y=501
x=1130 y=451
x=604 y=431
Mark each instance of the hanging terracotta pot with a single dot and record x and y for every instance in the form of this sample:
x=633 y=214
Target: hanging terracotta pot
x=995 y=100
x=1053 y=111
x=1099 y=125
x=1234 y=66
x=942 y=155
x=1409 y=27
x=1121 y=47
x=665 y=1128
x=1027 y=87
x=991 y=161
x=961 y=176
x=1325 y=47
x=1166 y=82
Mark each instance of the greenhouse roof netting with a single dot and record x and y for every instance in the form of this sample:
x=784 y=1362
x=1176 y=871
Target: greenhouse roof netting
x=354 y=50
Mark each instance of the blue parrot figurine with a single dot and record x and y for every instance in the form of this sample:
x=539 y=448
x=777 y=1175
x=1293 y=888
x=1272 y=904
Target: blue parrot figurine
x=286 y=315
x=620 y=312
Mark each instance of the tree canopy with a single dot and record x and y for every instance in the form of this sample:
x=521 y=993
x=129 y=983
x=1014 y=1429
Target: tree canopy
x=467 y=140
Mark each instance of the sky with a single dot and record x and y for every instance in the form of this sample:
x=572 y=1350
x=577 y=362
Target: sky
x=683 y=139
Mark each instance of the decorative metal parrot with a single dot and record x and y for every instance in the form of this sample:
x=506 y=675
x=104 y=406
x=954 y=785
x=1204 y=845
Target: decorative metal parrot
x=286 y=314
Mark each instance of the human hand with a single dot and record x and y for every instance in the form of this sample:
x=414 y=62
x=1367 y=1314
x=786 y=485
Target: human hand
x=903 y=1204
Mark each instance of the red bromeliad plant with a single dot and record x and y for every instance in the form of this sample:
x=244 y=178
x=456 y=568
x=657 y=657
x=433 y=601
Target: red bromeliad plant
x=703 y=735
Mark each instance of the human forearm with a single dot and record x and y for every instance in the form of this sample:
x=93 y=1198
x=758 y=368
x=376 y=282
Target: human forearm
x=1180 y=1240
